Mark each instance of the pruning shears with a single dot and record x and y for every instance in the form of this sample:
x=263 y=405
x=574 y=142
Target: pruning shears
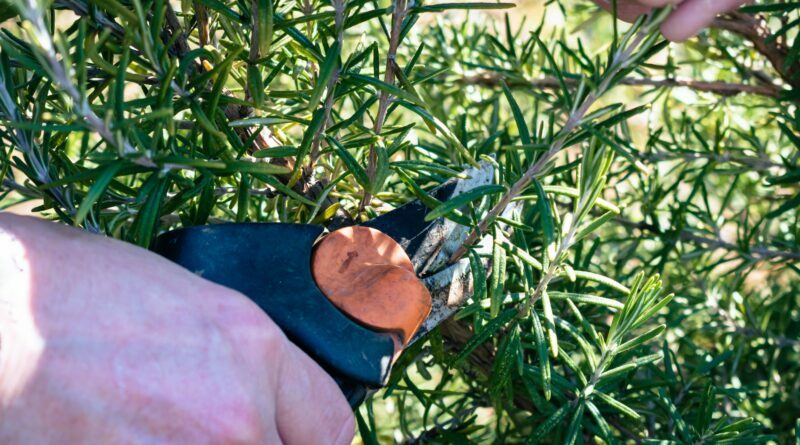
x=354 y=298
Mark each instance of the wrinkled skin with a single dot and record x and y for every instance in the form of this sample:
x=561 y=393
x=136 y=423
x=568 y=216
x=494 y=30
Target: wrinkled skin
x=103 y=342
x=689 y=17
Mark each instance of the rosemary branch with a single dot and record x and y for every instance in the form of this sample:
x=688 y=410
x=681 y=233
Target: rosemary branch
x=620 y=61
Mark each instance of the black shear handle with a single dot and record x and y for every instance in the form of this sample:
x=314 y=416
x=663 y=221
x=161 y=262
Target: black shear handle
x=271 y=265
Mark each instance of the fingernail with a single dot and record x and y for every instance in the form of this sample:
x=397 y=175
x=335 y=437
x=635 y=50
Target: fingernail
x=346 y=433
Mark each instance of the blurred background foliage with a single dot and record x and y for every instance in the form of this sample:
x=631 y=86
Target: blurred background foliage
x=646 y=290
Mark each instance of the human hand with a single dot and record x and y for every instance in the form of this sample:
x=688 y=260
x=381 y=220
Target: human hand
x=688 y=18
x=104 y=342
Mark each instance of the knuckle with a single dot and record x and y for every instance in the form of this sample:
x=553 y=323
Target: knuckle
x=244 y=320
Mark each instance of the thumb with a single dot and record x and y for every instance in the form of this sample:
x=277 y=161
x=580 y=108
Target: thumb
x=694 y=15
x=310 y=407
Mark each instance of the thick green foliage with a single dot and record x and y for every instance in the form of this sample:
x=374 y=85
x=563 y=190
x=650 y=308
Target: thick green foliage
x=645 y=291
